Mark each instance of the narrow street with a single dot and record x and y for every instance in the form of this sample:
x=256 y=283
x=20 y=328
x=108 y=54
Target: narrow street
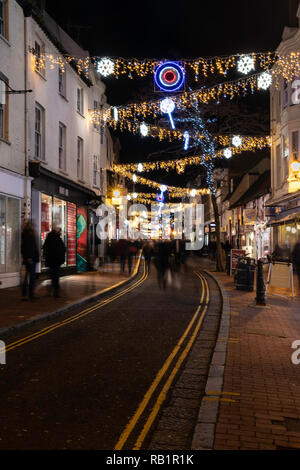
x=106 y=376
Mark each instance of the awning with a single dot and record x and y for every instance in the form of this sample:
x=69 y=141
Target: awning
x=284 y=218
x=283 y=199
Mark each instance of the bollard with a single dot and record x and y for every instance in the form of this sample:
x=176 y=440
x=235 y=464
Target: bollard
x=260 y=285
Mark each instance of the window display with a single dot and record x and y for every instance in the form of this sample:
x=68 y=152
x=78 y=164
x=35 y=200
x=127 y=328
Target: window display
x=9 y=234
x=61 y=214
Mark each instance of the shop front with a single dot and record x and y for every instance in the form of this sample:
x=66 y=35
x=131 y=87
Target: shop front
x=61 y=204
x=12 y=193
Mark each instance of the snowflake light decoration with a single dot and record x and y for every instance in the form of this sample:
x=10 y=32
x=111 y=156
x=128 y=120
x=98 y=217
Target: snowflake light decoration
x=236 y=140
x=245 y=64
x=264 y=80
x=105 y=67
x=227 y=153
x=144 y=129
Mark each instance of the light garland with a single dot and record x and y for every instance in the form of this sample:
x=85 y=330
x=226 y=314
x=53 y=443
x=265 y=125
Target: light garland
x=248 y=144
x=163 y=133
x=187 y=99
x=285 y=66
x=173 y=191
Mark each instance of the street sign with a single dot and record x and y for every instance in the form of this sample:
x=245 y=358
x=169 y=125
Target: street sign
x=281 y=275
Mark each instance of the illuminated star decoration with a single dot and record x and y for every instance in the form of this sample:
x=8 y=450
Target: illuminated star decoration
x=227 y=153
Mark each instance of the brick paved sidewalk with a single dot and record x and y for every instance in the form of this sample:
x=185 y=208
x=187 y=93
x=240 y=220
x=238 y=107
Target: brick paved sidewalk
x=259 y=407
x=74 y=288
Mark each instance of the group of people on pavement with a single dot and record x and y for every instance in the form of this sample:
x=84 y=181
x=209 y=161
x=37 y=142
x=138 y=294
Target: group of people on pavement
x=54 y=255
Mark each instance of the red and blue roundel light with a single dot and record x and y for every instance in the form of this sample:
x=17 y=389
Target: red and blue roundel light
x=169 y=76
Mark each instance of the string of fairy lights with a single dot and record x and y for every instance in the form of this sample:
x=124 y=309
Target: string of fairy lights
x=179 y=164
x=286 y=66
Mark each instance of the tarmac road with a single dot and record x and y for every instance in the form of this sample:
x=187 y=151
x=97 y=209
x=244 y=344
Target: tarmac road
x=93 y=378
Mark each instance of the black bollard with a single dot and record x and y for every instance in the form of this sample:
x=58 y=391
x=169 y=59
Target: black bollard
x=260 y=285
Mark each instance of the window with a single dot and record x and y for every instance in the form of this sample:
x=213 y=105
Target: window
x=295 y=146
x=62 y=146
x=9 y=234
x=61 y=81
x=285 y=95
x=39 y=64
x=3 y=110
x=96 y=107
x=79 y=158
x=96 y=171
x=278 y=165
x=285 y=150
x=80 y=100
x=39 y=133
x=4 y=18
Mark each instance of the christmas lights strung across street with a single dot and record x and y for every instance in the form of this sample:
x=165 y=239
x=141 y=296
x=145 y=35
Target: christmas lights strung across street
x=180 y=163
x=285 y=66
x=173 y=191
x=163 y=133
x=186 y=100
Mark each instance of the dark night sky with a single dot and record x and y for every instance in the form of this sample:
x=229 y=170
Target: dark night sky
x=173 y=30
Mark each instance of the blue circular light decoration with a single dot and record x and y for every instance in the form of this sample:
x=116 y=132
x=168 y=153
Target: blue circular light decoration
x=169 y=76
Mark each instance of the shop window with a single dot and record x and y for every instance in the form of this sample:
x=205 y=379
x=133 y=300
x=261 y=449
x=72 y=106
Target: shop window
x=4 y=18
x=61 y=214
x=62 y=146
x=9 y=234
x=39 y=131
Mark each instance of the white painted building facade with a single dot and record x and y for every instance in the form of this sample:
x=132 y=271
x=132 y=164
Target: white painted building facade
x=285 y=156
x=48 y=133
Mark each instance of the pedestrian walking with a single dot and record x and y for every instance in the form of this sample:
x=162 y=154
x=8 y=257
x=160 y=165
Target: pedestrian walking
x=162 y=263
x=132 y=250
x=148 y=252
x=54 y=253
x=30 y=255
x=296 y=259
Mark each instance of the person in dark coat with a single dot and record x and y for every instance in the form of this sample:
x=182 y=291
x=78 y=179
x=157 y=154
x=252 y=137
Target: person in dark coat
x=30 y=255
x=54 y=253
x=296 y=259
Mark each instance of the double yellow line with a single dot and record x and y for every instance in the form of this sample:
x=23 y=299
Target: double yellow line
x=195 y=323
x=79 y=315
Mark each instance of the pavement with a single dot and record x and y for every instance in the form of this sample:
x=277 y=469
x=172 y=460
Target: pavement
x=76 y=290
x=257 y=406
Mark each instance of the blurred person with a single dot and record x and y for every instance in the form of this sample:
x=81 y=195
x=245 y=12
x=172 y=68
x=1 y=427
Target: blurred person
x=162 y=263
x=148 y=252
x=132 y=250
x=296 y=259
x=122 y=251
x=54 y=253
x=30 y=255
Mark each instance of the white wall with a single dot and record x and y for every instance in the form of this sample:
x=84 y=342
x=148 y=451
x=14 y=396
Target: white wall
x=12 y=67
